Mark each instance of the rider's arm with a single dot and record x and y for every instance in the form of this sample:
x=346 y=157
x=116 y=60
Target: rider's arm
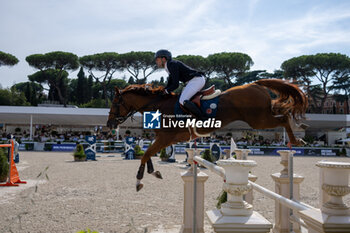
x=173 y=80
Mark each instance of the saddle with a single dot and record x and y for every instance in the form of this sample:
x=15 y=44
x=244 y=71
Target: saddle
x=206 y=94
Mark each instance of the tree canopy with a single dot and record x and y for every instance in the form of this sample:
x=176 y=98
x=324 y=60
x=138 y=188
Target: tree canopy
x=137 y=63
x=197 y=62
x=54 y=66
x=323 y=68
x=229 y=66
x=320 y=75
x=55 y=79
x=7 y=59
x=102 y=63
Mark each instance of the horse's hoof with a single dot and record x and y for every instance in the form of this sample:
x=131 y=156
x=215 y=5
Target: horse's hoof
x=139 y=187
x=303 y=126
x=158 y=175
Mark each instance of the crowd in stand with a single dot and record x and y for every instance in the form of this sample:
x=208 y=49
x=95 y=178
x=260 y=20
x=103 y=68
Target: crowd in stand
x=47 y=134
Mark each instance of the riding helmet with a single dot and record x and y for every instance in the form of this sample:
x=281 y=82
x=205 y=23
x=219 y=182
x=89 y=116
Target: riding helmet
x=163 y=53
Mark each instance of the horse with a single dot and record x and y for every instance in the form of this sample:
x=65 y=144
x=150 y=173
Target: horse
x=251 y=103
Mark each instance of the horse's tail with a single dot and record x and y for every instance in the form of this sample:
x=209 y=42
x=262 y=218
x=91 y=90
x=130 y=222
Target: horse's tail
x=290 y=100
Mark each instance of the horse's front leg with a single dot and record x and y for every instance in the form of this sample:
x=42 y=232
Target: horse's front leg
x=146 y=158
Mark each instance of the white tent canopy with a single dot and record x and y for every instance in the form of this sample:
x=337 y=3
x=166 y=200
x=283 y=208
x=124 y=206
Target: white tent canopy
x=18 y=115
x=53 y=115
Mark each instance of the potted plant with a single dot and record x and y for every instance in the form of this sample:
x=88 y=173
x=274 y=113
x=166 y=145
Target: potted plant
x=207 y=156
x=4 y=166
x=79 y=154
x=163 y=156
x=138 y=152
x=29 y=146
x=48 y=146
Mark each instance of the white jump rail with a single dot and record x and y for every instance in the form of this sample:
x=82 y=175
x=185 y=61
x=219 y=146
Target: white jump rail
x=212 y=167
x=238 y=216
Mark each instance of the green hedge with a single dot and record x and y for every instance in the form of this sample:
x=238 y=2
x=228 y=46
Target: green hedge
x=4 y=166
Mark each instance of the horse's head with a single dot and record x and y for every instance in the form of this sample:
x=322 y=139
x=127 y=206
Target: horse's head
x=120 y=110
x=132 y=99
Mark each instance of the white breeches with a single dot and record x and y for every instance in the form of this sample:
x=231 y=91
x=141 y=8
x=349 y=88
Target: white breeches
x=193 y=86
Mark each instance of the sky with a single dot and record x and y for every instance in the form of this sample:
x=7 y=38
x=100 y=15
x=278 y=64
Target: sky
x=269 y=31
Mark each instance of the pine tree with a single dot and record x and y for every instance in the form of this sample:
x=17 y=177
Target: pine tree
x=131 y=80
x=28 y=93
x=90 y=83
x=81 y=87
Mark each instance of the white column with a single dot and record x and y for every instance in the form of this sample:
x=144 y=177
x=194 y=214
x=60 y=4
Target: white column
x=31 y=128
x=242 y=154
x=282 y=186
x=187 y=177
x=227 y=152
x=249 y=197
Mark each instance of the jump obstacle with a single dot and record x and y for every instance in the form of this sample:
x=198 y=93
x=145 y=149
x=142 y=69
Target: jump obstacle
x=13 y=178
x=237 y=214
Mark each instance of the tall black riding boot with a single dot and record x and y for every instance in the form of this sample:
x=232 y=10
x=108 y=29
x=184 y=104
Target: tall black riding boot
x=192 y=108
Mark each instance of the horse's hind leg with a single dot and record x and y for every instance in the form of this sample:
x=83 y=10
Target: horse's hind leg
x=283 y=121
x=150 y=169
x=290 y=133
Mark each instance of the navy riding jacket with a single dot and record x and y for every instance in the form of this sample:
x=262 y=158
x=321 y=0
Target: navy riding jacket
x=178 y=71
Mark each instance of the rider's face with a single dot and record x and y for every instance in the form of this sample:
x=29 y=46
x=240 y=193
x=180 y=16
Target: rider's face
x=160 y=61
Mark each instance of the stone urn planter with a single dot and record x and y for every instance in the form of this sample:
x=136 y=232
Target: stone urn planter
x=79 y=159
x=79 y=154
x=3 y=178
x=163 y=156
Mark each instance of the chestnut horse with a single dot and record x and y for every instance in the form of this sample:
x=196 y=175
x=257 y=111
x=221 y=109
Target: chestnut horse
x=250 y=103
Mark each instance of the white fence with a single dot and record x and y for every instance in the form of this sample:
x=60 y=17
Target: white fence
x=238 y=215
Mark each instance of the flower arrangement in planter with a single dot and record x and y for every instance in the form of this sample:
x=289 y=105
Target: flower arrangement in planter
x=138 y=152
x=29 y=146
x=163 y=156
x=4 y=166
x=207 y=156
x=79 y=154
x=48 y=146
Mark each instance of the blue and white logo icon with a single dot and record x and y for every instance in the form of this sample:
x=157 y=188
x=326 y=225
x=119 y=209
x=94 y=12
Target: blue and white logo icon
x=151 y=120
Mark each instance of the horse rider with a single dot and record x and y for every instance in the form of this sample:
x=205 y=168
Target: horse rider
x=177 y=72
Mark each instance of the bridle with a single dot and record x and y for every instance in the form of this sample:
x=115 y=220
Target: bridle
x=131 y=110
x=121 y=102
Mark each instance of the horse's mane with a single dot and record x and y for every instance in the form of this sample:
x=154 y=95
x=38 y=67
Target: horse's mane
x=144 y=89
